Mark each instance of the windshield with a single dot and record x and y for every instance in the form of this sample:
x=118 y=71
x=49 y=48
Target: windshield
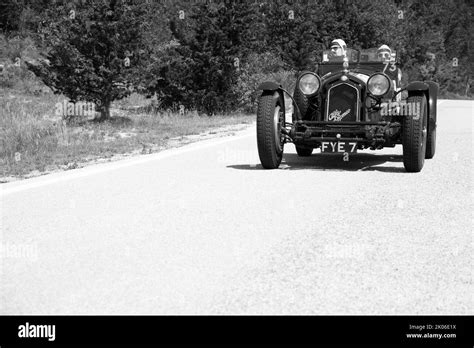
x=352 y=54
x=369 y=55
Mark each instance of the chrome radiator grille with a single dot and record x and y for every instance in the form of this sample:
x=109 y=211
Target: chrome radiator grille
x=342 y=104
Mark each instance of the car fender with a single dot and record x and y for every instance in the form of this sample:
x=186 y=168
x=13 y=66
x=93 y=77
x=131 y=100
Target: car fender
x=270 y=86
x=432 y=103
x=417 y=86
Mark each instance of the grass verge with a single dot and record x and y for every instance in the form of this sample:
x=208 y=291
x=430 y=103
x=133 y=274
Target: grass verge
x=34 y=141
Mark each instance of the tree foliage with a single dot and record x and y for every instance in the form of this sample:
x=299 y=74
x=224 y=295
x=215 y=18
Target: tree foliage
x=93 y=51
x=203 y=54
x=209 y=58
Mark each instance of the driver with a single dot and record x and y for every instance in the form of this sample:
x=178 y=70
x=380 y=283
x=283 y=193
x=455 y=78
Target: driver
x=338 y=47
x=384 y=53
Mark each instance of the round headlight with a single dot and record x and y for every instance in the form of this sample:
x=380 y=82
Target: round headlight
x=378 y=84
x=309 y=83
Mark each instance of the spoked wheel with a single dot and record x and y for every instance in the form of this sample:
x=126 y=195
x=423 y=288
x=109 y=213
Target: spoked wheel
x=415 y=135
x=270 y=120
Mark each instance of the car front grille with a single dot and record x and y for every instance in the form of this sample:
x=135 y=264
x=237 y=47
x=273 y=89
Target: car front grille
x=342 y=103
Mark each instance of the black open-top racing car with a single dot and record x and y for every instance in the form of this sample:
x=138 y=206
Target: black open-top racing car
x=355 y=101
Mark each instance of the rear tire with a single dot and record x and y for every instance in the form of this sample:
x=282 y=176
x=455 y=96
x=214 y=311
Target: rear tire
x=270 y=119
x=415 y=135
x=303 y=151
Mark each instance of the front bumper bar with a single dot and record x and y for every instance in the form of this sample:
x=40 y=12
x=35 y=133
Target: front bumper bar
x=365 y=132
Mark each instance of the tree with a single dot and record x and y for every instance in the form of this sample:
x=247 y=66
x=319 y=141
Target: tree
x=295 y=31
x=212 y=43
x=436 y=33
x=93 y=51
x=162 y=71
x=10 y=11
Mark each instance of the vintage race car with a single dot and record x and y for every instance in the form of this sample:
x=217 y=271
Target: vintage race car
x=354 y=102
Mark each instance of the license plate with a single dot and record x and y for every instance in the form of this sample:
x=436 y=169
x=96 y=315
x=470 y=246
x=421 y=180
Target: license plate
x=339 y=146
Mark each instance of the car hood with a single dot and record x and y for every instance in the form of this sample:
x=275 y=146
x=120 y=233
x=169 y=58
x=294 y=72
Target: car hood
x=331 y=76
x=360 y=76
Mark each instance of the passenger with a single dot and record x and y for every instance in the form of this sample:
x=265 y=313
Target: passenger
x=338 y=48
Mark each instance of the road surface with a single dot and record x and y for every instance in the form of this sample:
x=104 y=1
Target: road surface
x=204 y=229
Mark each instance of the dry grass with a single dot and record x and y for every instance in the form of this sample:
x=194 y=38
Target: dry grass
x=33 y=139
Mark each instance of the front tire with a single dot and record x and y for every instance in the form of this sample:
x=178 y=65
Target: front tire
x=270 y=120
x=415 y=135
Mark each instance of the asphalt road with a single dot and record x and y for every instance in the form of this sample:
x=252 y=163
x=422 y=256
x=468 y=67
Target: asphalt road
x=203 y=229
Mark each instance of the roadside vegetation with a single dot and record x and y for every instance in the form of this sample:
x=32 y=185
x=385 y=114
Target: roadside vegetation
x=33 y=140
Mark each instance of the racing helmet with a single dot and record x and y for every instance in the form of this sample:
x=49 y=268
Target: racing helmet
x=338 y=47
x=384 y=52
